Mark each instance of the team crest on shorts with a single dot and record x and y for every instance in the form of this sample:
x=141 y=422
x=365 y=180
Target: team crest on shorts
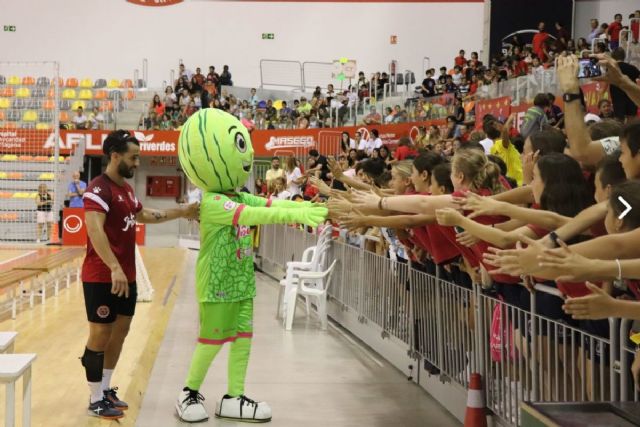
x=103 y=311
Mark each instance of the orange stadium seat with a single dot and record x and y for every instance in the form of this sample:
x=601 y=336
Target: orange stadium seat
x=7 y=91
x=77 y=104
x=49 y=104
x=28 y=81
x=60 y=82
x=130 y=95
x=14 y=80
x=71 y=82
x=85 y=94
x=113 y=84
x=41 y=159
x=69 y=94
x=25 y=158
x=23 y=92
x=100 y=94
x=126 y=83
x=29 y=116
x=64 y=116
x=1 y=115
x=43 y=126
x=5 y=195
x=86 y=83
x=5 y=103
x=10 y=125
x=15 y=175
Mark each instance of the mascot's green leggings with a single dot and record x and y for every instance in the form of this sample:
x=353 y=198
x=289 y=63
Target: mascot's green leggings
x=220 y=323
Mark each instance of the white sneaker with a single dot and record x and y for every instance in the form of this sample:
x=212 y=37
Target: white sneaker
x=190 y=407
x=242 y=408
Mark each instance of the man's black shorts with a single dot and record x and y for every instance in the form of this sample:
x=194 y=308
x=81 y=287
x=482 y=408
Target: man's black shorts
x=103 y=306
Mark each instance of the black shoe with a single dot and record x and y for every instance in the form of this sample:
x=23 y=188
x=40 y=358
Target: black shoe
x=104 y=409
x=112 y=397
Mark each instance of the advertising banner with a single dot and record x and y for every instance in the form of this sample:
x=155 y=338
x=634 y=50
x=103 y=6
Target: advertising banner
x=266 y=143
x=499 y=107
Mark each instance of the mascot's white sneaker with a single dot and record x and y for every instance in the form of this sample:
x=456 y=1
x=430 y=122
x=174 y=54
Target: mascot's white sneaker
x=242 y=408
x=190 y=407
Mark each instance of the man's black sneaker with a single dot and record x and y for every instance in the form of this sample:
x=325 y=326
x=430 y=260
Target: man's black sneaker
x=104 y=409
x=112 y=397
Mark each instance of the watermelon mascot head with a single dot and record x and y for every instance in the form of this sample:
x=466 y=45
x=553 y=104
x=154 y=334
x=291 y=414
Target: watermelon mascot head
x=215 y=151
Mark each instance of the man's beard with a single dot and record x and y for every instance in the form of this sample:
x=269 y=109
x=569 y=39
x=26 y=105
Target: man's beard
x=125 y=171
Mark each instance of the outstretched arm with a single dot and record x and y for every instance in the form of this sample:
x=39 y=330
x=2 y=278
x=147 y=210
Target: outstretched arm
x=219 y=210
x=487 y=233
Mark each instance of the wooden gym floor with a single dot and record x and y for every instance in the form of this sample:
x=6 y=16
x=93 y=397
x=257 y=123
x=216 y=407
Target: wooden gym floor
x=57 y=332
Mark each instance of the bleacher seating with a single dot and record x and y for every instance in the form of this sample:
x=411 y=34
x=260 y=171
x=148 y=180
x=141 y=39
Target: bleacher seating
x=19 y=93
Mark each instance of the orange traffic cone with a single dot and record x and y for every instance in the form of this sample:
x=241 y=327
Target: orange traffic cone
x=475 y=413
x=54 y=236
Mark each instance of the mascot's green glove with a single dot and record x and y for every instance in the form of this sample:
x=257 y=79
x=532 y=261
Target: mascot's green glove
x=312 y=216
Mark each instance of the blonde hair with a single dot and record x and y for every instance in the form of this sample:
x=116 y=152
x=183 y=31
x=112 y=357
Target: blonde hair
x=404 y=168
x=478 y=170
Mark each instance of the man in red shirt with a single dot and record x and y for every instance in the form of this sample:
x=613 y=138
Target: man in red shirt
x=538 y=42
x=460 y=60
x=109 y=268
x=613 y=31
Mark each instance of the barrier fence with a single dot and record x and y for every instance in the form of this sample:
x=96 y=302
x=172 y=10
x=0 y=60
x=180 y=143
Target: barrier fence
x=451 y=331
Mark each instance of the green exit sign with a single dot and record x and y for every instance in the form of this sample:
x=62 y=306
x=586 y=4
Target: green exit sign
x=10 y=28
x=268 y=36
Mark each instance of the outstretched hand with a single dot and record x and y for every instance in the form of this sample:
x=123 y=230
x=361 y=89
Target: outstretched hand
x=598 y=305
x=575 y=267
x=366 y=199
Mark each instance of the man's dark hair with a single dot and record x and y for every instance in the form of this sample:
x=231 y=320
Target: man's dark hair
x=549 y=140
x=118 y=142
x=610 y=170
x=275 y=158
x=488 y=126
x=541 y=100
x=631 y=136
x=375 y=132
x=605 y=128
x=618 y=54
x=374 y=167
x=616 y=15
x=313 y=152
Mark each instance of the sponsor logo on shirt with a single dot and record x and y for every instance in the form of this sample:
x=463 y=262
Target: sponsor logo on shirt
x=229 y=205
x=97 y=190
x=129 y=222
x=120 y=198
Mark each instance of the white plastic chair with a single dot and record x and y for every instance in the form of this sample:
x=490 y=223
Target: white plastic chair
x=313 y=259
x=321 y=281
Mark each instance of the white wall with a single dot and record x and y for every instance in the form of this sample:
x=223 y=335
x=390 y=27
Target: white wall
x=603 y=10
x=109 y=38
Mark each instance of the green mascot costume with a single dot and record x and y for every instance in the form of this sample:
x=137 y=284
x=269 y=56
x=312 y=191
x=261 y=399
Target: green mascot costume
x=216 y=154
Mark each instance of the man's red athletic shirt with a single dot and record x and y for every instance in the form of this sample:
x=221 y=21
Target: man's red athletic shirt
x=120 y=206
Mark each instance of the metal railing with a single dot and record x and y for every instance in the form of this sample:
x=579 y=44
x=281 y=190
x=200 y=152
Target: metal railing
x=448 y=329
